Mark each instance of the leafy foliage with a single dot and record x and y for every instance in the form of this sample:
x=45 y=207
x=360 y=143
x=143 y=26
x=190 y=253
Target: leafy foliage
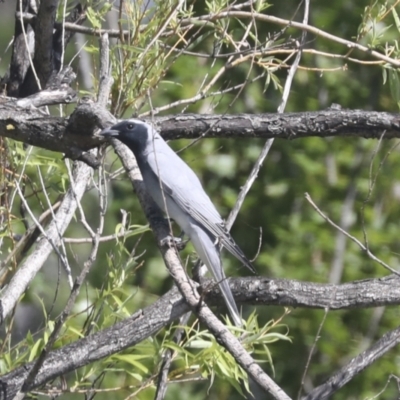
x=175 y=59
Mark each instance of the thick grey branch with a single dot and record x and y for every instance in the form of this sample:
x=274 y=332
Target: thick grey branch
x=252 y=290
x=75 y=136
x=358 y=294
x=105 y=72
x=325 y=123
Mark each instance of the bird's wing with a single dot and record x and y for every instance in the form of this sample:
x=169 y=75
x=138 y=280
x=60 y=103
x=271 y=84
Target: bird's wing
x=185 y=189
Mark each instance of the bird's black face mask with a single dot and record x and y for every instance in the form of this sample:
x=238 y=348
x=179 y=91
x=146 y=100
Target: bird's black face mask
x=134 y=134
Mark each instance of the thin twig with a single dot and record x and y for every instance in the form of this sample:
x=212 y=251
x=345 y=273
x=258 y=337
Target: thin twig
x=200 y=96
x=40 y=227
x=65 y=264
x=311 y=353
x=102 y=239
x=267 y=146
x=167 y=358
x=206 y=19
x=355 y=240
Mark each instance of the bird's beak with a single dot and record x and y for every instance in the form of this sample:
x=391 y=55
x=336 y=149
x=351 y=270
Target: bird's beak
x=109 y=132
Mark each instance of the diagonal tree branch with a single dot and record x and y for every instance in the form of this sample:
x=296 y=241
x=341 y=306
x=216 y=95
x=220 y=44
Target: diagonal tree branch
x=355 y=366
x=188 y=290
x=27 y=271
x=129 y=332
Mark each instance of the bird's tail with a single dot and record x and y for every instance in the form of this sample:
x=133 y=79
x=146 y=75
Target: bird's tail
x=229 y=243
x=208 y=252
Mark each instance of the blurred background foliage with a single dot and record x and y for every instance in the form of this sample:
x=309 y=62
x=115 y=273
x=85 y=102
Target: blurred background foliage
x=296 y=243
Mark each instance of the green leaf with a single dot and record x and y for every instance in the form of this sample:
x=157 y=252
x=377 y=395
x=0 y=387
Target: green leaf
x=133 y=359
x=396 y=18
x=35 y=350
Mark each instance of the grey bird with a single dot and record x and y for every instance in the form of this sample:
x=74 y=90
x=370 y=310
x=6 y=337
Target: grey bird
x=178 y=192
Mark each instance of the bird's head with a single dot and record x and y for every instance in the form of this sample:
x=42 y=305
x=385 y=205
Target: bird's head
x=132 y=132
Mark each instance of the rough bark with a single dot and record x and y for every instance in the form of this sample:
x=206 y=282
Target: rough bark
x=251 y=290
x=76 y=135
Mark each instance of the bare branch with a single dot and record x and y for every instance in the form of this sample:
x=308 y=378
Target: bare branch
x=107 y=238
x=75 y=136
x=365 y=293
x=48 y=97
x=171 y=306
x=355 y=366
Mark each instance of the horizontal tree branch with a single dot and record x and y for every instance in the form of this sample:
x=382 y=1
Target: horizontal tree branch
x=250 y=290
x=291 y=293
x=62 y=95
x=75 y=135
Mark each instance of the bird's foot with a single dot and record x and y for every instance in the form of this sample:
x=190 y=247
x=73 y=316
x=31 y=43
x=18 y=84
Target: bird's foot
x=176 y=242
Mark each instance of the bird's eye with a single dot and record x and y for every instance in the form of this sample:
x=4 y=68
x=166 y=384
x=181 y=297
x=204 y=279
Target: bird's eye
x=131 y=126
